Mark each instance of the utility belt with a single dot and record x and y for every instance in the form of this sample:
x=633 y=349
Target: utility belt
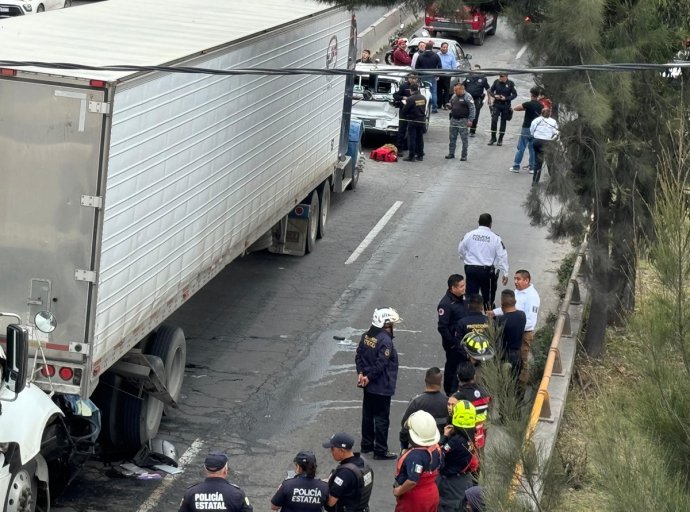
x=458 y=118
x=482 y=267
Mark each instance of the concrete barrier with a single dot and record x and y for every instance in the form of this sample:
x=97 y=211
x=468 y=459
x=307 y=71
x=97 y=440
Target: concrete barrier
x=376 y=36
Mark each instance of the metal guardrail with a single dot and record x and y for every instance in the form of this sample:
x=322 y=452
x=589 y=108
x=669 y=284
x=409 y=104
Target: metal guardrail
x=541 y=409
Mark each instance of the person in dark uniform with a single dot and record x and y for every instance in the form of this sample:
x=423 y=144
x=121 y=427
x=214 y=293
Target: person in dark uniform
x=478 y=396
x=415 y=113
x=403 y=93
x=450 y=310
x=502 y=93
x=476 y=85
x=377 y=372
x=215 y=492
x=351 y=483
x=303 y=492
x=415 y=477
x=474 y=321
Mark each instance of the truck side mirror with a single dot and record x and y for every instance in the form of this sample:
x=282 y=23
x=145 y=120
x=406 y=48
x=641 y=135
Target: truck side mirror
x=17 y=358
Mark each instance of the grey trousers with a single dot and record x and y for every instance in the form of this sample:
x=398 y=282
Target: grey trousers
x=451 y=490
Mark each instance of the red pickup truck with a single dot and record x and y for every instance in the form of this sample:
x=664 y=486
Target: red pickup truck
x=467 y=22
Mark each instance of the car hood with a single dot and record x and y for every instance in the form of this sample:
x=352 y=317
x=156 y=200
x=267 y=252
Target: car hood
x=373 y=109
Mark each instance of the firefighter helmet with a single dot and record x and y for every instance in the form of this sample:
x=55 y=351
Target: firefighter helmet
x=385 y=316
x=464 y=415
x=477 y=346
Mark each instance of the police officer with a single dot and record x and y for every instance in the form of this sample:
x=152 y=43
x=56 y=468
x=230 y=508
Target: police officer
x=450 y=310
x=377 y=372
x=403 y=93
x=484 y=254
x=351 y=483
x=215 y=492
x=502 y=92
x=417 y=469
x=476 y=85
x=415 y=113
x=303 y=492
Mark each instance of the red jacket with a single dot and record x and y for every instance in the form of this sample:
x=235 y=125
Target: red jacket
x=401 y=57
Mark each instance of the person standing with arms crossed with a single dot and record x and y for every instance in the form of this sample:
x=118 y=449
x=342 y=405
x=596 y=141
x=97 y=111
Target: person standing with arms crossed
x=377 y=372
x=483 y=252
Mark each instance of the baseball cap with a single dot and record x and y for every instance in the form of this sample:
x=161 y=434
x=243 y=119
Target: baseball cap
x=215 y=461
x=305 y=457
x=340 y=440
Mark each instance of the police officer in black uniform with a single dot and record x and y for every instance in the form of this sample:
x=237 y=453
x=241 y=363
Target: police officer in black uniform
x=215 y=492
x=503 y=92
x=450 y=310
x=476 y=85
x=303 y=492
x=351 y=483
x=403 y=93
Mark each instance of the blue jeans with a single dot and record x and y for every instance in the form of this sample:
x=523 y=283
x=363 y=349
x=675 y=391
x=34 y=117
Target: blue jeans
x=524 y=141
x=434 y=89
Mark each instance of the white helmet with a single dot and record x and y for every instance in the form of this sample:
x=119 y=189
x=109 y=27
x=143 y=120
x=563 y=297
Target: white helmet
x=385 y=316
x=423 y=429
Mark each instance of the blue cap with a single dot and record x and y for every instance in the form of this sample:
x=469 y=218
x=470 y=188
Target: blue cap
x=215 y=461
x=340 y=440
x=305 y=457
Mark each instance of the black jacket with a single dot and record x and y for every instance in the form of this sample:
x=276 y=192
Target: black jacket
x=415 y=107
x=428 y=60
x=476 y=85
x=504 y=89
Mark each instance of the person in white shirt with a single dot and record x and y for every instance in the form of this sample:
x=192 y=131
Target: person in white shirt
x=485 y=256
x=544 y=130
x=420 y=49
x=527 y=300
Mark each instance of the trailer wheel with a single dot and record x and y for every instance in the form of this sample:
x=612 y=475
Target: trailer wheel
x=107 y=398
x=325 y=205
x=22 y=493
x=313 y=224
x=169 y=344
x=141 y=417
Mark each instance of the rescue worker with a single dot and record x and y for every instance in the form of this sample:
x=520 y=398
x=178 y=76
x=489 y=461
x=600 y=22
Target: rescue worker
x=477 y=347
x=303 y=492
x=431 y=401
x=474 y=322
x=417 y=469
x=215 y=492
x=478 y=396
x=377 y=372
x=476 y=85
x=460 y=459
x=400 y=97
x=484 y=254
x=351 y=483
x=450 y=310
x=461 y=113
x=415 y=113
x=502 y=92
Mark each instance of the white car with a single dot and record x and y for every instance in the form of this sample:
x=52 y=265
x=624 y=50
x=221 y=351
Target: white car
x=10 y=8
x=373 y=100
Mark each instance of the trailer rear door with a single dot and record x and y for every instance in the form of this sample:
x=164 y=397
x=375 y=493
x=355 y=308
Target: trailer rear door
x=50 y=144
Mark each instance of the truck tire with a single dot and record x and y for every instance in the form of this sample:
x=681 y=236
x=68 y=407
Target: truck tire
x=478 y=39
x=140 y=417
x=168 y=343
x=313 y=224
x=325 y=206
x=492 y=30
x=107 y=398
x=22 y=493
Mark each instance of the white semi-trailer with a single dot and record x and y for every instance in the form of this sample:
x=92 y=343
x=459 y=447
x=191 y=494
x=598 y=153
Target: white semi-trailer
x=123 y=192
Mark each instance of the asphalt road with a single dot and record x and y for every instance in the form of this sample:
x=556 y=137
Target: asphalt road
x=265 y=376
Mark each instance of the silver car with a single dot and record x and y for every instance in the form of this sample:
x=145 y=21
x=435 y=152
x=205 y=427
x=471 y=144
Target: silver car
x=373 y=100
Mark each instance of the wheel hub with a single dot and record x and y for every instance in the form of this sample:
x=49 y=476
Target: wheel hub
x=20 y=497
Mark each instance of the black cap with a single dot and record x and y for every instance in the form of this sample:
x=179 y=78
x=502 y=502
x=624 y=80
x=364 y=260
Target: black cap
x=340 y=440
x=305 y=457
x=215 y=461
